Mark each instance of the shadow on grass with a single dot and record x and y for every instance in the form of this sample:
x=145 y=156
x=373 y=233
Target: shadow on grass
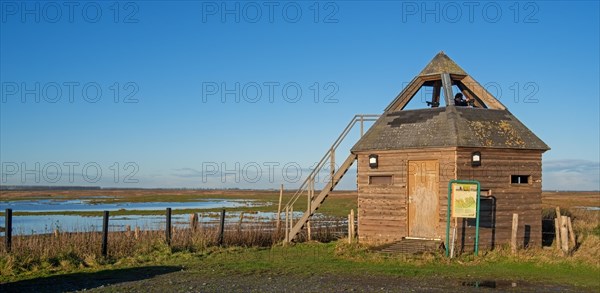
x=80 y=281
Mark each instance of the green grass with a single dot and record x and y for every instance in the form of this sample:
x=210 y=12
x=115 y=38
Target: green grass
x=596 y=230
x=338 y=258
x=341 y=258
x=582 y=269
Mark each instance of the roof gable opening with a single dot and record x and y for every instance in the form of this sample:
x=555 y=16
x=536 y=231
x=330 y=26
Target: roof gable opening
x=441 y=80
x=415 y=120
x=430 y=97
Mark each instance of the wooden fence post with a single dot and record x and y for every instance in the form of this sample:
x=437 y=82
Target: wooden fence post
x=241 y=221
x=571 y=234
x=352 y=228
x=193 y=222
x=222 y=227
x=557 y=228
x=168 y=227
x=557 y=232
x=349 y=229
x=105 y=234
x=200 y=226
x=564 y=237
x=8 y=230
x=513 y=238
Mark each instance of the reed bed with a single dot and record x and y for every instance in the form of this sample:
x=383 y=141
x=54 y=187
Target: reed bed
x=82 y=248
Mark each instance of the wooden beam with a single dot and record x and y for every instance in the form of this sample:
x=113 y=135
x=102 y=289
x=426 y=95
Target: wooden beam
x=447 y=85
x=457 y=77
x=488 y=99
x=435 y=97
x=429 y=77
x=405 y=95
x=470 y=95
x=318 y=200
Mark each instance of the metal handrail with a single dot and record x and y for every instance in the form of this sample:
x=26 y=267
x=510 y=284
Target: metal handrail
x=359 y=117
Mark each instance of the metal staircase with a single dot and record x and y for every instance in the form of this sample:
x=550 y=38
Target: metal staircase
x=307 y=188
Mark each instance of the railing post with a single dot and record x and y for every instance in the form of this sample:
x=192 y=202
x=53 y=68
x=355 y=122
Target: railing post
x=279 y=209
x=311 y=186
x=362 y=127
x=321 y=165
x=105 y=234
x=8 y=229
x=332 y=165
x=287 y=231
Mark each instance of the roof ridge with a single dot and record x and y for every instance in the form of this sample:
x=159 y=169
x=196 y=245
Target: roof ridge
x=441 y=63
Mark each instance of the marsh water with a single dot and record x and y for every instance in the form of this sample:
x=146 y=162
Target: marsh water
x=94 y=204
x=40 y=223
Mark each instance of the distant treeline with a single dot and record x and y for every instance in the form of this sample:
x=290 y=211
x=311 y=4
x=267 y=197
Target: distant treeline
x=40 y=187
x=49 y=187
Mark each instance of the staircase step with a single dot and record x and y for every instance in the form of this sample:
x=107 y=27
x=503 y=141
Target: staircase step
x=321 y=196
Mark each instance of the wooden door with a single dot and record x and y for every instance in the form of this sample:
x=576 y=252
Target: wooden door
x=423 y=199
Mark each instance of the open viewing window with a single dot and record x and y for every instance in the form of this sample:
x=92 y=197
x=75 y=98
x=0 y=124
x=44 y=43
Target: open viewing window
x=519 y=179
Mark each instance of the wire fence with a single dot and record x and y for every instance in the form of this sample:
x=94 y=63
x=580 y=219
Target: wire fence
x=241 y=229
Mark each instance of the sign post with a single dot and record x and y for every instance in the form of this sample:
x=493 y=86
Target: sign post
x=463 y=202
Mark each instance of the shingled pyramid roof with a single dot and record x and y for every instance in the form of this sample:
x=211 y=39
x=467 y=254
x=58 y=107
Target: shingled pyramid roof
x=488 y=125
x=442 y=63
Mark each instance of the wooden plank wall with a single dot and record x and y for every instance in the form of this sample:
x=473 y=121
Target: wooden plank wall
x=382 y=209
x=497 y=166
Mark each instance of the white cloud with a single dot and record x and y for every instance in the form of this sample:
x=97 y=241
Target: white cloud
x=571 y=175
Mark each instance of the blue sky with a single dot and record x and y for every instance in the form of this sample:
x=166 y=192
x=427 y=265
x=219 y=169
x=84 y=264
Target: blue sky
x=175 y=94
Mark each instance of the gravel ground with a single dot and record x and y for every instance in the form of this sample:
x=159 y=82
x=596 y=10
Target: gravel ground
x=176 y=279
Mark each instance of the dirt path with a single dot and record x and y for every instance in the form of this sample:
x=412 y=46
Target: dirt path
x=326 y=283
x=173 y=279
